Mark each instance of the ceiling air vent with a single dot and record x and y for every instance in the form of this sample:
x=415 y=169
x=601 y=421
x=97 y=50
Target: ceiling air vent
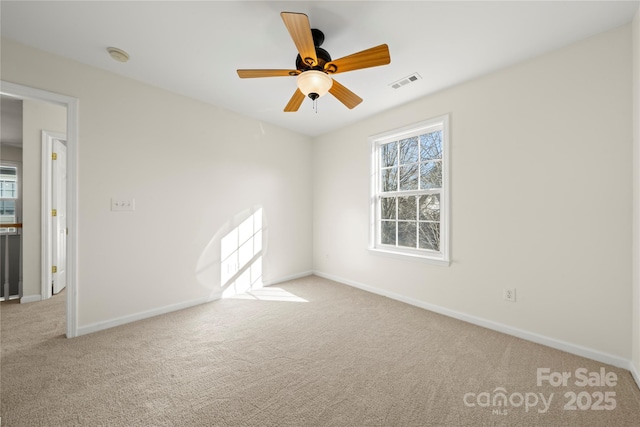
x=405 y=81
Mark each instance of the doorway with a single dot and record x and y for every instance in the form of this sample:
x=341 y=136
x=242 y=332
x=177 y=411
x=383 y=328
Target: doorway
x=70 y=207
x=54 y=213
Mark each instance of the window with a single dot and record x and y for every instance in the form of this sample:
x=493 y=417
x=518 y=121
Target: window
x=410 y=195
x=8 y=196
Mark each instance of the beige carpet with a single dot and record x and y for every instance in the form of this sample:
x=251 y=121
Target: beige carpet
x=342 y=358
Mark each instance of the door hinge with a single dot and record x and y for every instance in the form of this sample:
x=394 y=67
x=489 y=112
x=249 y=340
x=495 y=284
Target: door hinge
x=54 y=269
x=54 y=156
x=54 y=212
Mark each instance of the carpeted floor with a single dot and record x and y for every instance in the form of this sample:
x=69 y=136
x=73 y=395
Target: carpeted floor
x=309 y=352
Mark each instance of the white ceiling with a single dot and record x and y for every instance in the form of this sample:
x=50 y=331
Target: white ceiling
x=194 y=48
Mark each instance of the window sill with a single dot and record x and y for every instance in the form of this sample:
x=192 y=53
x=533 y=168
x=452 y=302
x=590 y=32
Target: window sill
x=410 y=257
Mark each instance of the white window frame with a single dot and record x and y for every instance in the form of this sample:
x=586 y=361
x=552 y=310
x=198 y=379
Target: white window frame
x=441 y=257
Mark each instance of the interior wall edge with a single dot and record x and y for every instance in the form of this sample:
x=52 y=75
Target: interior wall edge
x=635 y=251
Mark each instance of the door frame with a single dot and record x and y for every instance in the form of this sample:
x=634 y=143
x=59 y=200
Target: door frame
x=71 y=104
x=46 y=256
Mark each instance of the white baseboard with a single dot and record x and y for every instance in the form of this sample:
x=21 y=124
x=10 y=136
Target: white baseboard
x=499 y=327
x=30 y=298
x=286 y=279
x=106 y=324
x=99 y=326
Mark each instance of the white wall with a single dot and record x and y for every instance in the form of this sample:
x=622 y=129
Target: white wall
x=37 y=116
x=541 y=184
x=635 y=261
x=193 y=170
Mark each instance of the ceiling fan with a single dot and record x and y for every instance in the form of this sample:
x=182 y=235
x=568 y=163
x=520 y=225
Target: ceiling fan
x=314 y=66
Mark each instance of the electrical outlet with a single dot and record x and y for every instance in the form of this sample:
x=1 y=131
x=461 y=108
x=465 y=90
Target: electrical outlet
x=509 y=294
x=122 y=205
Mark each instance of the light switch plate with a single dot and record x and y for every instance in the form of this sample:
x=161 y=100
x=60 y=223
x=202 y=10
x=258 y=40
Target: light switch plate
x=123 y=205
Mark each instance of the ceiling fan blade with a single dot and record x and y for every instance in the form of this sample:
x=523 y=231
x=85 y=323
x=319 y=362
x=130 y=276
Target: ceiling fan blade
x=372 y=57
x=294 y=102
x=344 y=95
x=300 y=31
x=247 y=74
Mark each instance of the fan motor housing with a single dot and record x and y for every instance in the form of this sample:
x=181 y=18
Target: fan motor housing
x=322 y=55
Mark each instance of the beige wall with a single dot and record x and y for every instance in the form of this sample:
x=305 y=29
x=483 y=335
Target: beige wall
x=10 y=153
x=193 y=169
x=541 y=185
x=37 y=116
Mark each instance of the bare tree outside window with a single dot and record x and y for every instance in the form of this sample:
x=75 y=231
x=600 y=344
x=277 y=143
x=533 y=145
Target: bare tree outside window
x=410 y=185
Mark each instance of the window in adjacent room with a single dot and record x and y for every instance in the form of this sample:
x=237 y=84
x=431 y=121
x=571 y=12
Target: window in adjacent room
x=8 y=196
x=410 y=191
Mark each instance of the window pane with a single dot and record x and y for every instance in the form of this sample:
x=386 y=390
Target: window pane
x=8 y=180
x=430 y=235
x=407 y=234
x=409 y=150
x=388 y=208
x=407 y=208
x=430 y=207
x=431 y=175
x=388 y=231
x=389 y=179
x=409 y=177
x=8 y=190
x=7 y=207
x=389 y=154
x=7 y=211
x=431 y=146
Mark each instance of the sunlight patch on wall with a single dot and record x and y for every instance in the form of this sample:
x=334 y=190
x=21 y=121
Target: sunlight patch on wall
x=241 y=257
x=231 y=264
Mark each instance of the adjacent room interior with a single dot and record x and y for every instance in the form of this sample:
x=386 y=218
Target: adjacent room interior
x=479 y=191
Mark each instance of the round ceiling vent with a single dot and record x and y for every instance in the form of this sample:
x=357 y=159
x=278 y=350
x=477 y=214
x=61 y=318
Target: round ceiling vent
x=118 y=54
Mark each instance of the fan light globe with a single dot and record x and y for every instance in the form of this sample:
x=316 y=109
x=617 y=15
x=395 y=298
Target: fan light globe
x=314 y=83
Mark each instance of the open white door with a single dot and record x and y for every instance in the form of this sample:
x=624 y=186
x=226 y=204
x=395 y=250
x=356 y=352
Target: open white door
x=59 y=216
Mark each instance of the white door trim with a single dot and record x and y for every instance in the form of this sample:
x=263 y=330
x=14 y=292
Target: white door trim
x=71 y=104
x=47 y=197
